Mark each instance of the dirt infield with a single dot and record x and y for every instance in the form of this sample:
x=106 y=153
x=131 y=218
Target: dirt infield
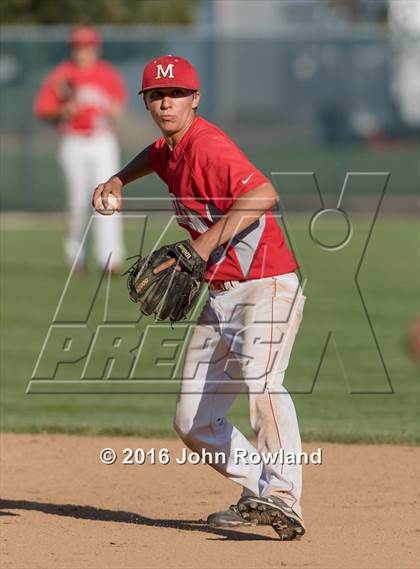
x=62 y=508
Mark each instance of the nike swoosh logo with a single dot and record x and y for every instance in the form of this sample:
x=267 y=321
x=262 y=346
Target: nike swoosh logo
x=246 y=180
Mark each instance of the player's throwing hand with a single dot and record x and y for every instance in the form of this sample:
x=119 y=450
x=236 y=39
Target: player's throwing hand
x=101 y=194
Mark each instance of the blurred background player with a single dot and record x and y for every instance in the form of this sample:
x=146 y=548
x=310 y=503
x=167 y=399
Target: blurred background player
x=84 y=96
x=404 y=24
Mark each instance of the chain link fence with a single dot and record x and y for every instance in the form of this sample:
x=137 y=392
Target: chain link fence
x=284 y=97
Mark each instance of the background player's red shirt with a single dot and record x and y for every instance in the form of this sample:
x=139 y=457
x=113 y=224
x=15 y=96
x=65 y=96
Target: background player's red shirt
x=205 y=173
x=95 y=89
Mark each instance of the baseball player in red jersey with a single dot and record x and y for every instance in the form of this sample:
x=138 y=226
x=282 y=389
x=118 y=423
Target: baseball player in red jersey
x=83 y=97
x=245 y=333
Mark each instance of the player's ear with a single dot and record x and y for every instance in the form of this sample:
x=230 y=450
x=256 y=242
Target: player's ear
x=196 y=100
x=145 y=102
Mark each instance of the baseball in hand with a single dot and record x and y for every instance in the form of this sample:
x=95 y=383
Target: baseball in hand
x=112 y=206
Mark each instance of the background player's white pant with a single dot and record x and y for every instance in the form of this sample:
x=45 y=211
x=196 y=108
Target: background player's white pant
x=86 y=161
x=243 y=339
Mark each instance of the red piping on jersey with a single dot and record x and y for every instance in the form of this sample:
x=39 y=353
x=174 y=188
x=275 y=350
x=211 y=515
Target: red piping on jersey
x=269 y=394
x=277 y=428
x=271 y=334
x=268 y=362
x=294 y=499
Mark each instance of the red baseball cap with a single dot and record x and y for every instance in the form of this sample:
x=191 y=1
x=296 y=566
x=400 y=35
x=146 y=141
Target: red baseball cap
x=169 y=71
x=84 y=35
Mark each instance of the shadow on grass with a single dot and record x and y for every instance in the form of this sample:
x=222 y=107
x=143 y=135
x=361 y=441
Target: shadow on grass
x=97 y=514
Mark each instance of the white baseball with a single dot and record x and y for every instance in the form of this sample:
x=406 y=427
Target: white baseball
x=112 y=206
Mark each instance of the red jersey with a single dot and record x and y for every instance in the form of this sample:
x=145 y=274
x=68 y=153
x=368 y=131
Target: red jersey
x=205 y=173
x=94 y=89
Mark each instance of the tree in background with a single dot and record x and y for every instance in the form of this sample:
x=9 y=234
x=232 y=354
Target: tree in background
x=98 y=11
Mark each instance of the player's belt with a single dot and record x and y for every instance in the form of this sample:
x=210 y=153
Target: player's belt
x=227 y=285
x=222 y=285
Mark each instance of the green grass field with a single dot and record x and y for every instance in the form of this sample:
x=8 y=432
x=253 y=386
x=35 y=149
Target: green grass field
x=384 y=409
x=34 y=181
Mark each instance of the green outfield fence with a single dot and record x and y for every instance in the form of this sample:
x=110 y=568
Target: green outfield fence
x=296 y=102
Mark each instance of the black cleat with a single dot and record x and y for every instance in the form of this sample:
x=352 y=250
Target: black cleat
x=230 y=518
x=275 y=512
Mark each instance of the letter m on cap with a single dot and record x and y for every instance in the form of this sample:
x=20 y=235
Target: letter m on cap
x=168 y=72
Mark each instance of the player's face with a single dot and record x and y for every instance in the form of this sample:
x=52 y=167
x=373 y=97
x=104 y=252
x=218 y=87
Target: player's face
x=172 y=108
x=85 y=55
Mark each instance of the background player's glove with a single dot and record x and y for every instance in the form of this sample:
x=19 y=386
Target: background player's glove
x=171 y=293
x=66 y=90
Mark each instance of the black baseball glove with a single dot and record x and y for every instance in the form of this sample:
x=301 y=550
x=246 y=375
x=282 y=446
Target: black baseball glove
x=171 y=293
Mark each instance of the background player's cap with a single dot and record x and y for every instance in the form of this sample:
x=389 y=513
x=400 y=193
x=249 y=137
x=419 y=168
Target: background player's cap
x=84 y=35
x=169 y=71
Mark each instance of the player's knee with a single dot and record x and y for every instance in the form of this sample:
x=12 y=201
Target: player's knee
x=191 y=426
x=183 y=425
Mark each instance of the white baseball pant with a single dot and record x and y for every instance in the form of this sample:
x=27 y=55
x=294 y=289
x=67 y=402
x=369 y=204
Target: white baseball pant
x=243 y=339
x=86 y=161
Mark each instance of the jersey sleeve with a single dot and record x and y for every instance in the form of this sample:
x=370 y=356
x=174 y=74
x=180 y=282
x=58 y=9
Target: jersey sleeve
x=47 y=99
x=116 y=84
x=157 y=158
x=229 y=173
